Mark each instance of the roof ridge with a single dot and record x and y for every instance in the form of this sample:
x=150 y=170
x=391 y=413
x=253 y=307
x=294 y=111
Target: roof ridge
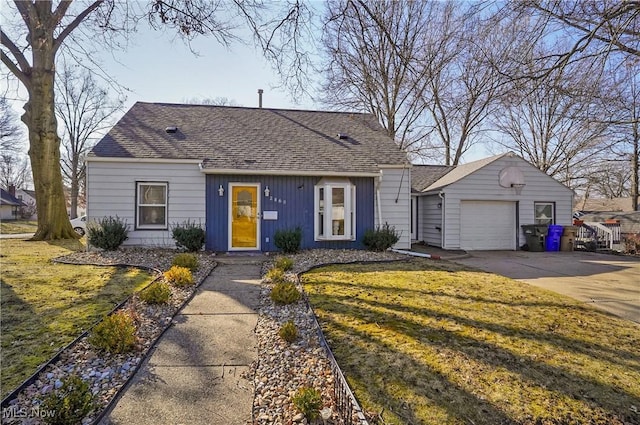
x=252 y=108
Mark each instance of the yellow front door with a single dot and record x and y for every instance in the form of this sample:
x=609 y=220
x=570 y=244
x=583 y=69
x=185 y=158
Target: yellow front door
x=244 y=216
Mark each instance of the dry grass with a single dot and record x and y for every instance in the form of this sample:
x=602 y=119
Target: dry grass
x=18 y=226
x=46 y=305
x=434 y=343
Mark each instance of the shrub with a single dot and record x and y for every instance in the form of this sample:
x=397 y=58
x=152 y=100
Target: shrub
x=288 y=240
x=380 y=239
x=189 y=261
x=156 y=293
x=180 y=276
x=288 y=331
x=107 y=233
x=69 y=404
x=285 y=293
x=284 y=263
x=116 y=333
x=275 y=275
x=308 y=401
x=632 y=243
x=188 y=236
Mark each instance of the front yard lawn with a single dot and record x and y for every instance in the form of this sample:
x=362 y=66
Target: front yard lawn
x=46 y=305
x=18 y=226
x=425 y=342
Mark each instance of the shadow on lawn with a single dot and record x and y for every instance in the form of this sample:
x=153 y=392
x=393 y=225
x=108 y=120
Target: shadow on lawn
x=389 y=368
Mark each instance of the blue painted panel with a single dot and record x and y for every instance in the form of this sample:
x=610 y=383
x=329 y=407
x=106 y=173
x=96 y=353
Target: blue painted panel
x=292 y=198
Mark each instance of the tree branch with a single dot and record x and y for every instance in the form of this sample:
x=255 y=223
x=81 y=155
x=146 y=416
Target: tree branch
x=74 y=24
x=15 y=70
x=23 y=64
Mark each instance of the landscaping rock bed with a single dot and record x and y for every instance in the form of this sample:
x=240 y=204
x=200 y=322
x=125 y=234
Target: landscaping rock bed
x=107 y=373
x=283 y=368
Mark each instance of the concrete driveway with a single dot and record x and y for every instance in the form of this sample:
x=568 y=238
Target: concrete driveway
x=609 y=282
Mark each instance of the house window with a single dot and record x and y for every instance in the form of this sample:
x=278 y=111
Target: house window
x=151 y=205
x=544 y=212
x=335 y=210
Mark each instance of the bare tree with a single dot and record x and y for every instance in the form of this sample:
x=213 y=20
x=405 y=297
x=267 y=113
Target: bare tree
x=624 y=100
x=85 y=111
x=372 y=63
x=43 y=28
x=14 y=170
x=558 y=124
x=10 y=131
x=217 y=101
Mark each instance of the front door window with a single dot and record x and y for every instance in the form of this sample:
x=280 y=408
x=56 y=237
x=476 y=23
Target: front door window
x=244 y=217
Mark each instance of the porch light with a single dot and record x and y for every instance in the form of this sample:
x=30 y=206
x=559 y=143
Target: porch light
x=267 y=192
x=221 y=191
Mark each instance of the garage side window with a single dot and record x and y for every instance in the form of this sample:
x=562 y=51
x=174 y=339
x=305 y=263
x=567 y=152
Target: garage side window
x=151 y=205
x=544 y=213
x=335 y=210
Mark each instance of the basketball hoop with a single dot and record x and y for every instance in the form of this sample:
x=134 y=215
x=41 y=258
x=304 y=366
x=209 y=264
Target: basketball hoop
x=518 y=187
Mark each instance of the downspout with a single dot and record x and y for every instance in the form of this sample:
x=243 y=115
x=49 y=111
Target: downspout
x=378 y=199
x=443 y=224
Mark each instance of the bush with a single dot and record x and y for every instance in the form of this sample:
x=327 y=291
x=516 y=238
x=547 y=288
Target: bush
x=380 y=239
x=284 y=263
x=69 y=404
x=189 y=261
x=116 y=333
x=188 y=236
x=288 y=240
x=107 y=233
x=156 y=293
x=285 y=293
x=308 y=401
x=288 y=331
x=632 y=243
x=180 y=276
x=275 y=275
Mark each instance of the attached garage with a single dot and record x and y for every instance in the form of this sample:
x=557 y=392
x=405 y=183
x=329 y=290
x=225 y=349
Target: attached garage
x=487 y=225
x=482 y=205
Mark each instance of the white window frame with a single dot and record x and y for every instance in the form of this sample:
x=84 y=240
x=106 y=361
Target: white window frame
x=164 y=226
x=545 y=203
x=349 y=209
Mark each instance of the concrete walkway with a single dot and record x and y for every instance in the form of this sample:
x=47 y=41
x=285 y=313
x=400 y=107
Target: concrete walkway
x=193 y=375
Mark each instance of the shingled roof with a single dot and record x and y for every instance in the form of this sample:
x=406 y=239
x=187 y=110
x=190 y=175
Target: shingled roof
x=423 y=176
x=252 y=139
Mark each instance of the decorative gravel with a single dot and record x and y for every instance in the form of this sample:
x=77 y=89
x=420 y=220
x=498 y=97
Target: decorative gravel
x=104 y=372
x=283 y=368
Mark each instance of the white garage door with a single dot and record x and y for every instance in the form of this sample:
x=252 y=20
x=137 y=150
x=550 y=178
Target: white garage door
x=487 y=225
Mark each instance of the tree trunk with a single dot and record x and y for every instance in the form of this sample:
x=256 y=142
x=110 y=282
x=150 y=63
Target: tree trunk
x=75 y=190
x=44 y=143
x=634 y=168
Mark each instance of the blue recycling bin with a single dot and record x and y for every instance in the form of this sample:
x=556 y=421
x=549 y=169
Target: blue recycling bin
x=554 y=236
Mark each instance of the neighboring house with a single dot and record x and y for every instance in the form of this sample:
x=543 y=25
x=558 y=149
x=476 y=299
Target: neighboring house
x=9 y=205
x=481 y=205
x=604 y=204
x=629 y=221
x=246 y=173
x=28 y=197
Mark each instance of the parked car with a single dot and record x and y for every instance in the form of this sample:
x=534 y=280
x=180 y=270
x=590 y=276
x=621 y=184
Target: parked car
x=80 y=225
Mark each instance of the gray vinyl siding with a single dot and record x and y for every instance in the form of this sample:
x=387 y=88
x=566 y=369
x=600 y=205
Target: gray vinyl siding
x=483 y=185
x=430 y=220
x=395 y=203
x=111 y=191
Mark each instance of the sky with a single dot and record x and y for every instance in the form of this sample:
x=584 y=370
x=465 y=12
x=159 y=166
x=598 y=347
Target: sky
x=159 y=67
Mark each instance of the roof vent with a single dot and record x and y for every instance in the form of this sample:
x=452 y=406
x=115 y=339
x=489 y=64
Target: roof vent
x=343 y=136
x=171 y=129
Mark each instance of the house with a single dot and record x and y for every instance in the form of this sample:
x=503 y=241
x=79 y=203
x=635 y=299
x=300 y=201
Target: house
x=9 y=205
x=481 y=205
x=245 y=173
x=28 y=198
x=590 y=205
